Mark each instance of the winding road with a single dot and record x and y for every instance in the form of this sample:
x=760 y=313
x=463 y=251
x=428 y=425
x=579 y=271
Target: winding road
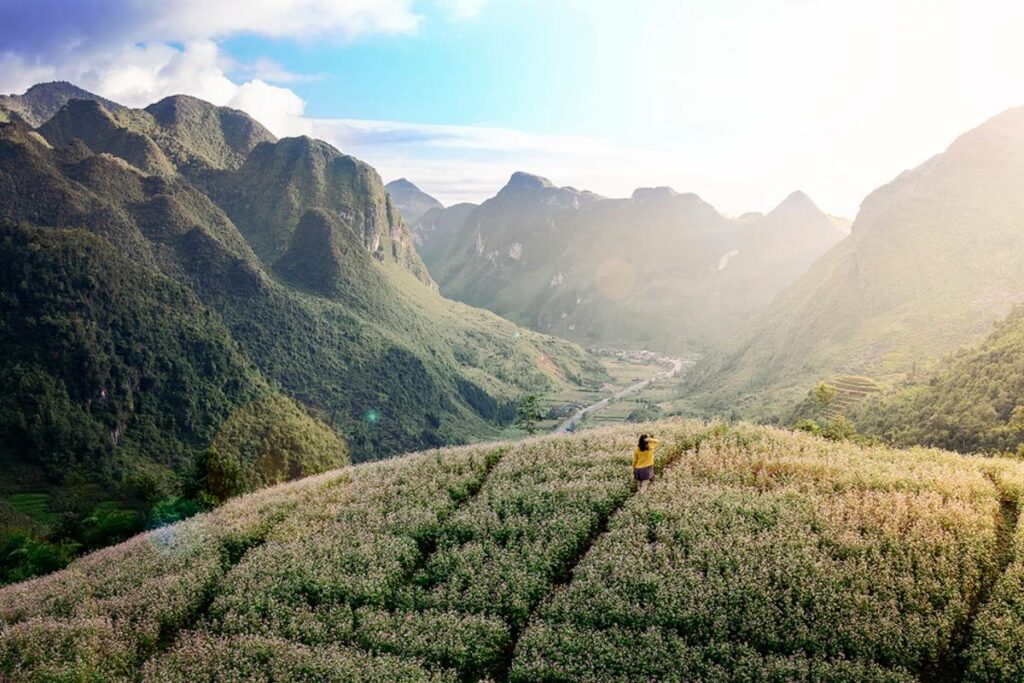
x=570 y=424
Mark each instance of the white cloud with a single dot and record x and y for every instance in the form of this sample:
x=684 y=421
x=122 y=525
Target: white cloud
x=459 y=10
x=279 y=109
x=269 y=70
x=470 y=163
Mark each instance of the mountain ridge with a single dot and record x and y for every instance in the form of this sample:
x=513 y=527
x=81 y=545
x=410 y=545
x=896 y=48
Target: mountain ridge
x=931 y=262
x=317 y=289
x=562 y=260
x=411 y=201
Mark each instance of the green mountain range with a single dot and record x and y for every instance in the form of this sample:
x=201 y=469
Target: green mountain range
x=173 y=272
x=661 y=269
x=934 y=258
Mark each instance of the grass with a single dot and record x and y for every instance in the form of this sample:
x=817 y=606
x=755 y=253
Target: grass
x=757 y=554
x=34 y=505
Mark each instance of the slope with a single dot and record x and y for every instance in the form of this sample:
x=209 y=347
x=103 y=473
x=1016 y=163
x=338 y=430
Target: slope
x=763 y=555
x=411 y=201
x=933 y=260
x=659 y=269
x=117 y=379
x=40 y=102
x=340 y=314
x=970 y=403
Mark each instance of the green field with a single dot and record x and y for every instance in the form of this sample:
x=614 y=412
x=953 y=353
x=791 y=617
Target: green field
x=33 y=505
x=757 y=555
x=621 y=373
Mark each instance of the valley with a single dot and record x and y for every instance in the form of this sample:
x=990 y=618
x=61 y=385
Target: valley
x=638 y=364
x=267 y=417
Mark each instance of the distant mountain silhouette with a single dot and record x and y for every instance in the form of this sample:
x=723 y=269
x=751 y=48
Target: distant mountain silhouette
x=411 y=201
x=933 y=259
x=661 y=268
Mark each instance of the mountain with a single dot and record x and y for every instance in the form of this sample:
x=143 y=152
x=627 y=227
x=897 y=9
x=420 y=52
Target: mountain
x=435 y=229
x=755 y=555
x=43 y=100
x=933 y=259
x=411 y=201
x=279 y=181
x=971 y=402
x=202 y=134
x=661 y=269
x=196 y=299
x=302 y=254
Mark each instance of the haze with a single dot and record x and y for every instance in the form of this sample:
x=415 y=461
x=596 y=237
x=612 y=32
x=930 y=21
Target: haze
x=741 y=102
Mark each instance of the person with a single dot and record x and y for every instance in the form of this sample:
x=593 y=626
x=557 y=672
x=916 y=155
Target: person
x=643 y=461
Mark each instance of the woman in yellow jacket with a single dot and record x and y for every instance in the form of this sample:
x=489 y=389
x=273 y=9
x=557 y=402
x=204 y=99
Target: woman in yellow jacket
x=643 y=461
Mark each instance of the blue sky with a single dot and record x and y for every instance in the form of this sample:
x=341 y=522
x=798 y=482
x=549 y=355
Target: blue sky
x=741 y=101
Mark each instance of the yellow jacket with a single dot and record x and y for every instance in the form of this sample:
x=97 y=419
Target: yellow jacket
x=644 y=458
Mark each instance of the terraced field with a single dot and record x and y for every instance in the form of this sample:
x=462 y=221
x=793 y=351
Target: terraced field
x=757 y=555
x=852 y=390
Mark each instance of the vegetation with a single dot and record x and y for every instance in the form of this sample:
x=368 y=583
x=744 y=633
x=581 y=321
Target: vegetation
x=528 y=414
x=119 y=379
x=972 y=402
x=933 y=259
x=756 y=553
x=148 y=349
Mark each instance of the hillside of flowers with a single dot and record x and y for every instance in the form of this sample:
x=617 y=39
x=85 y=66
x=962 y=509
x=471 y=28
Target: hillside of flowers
x=756 y=555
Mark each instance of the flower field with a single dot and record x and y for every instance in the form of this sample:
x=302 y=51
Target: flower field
x=756 y=555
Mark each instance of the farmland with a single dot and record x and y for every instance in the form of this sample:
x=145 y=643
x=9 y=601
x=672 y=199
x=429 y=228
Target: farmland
x=623 y=369
x=757 y=554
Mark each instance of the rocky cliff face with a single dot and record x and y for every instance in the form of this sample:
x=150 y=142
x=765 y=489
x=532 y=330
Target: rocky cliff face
x=279 y=181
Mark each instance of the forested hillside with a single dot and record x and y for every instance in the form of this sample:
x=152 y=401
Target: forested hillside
x=973 y=402
x=934 y=259
x=660 y=269
x=176 y=271
x=755 y=555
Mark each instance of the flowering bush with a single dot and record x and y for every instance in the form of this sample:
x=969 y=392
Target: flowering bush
x=200 y=657
x=791 y=546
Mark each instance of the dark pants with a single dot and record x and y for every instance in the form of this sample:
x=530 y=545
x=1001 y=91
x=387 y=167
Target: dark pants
x=643 y=473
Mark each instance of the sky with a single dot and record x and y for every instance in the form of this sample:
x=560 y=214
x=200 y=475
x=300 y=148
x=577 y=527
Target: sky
x=740 y=101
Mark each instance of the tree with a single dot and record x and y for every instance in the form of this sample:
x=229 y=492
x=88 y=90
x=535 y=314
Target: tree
x=840 y=429
x=824 y=395
x=528 y=414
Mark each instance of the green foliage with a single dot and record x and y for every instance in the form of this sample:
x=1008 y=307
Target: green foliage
x=109 y=523
x=807 y=425
x=98 y=352
x=34 y=505
x=172 y=510
x=267 y=442
x=824 y=394
x=528 y=413
x=970 y=403
x=840 y=428
x=23 y=556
